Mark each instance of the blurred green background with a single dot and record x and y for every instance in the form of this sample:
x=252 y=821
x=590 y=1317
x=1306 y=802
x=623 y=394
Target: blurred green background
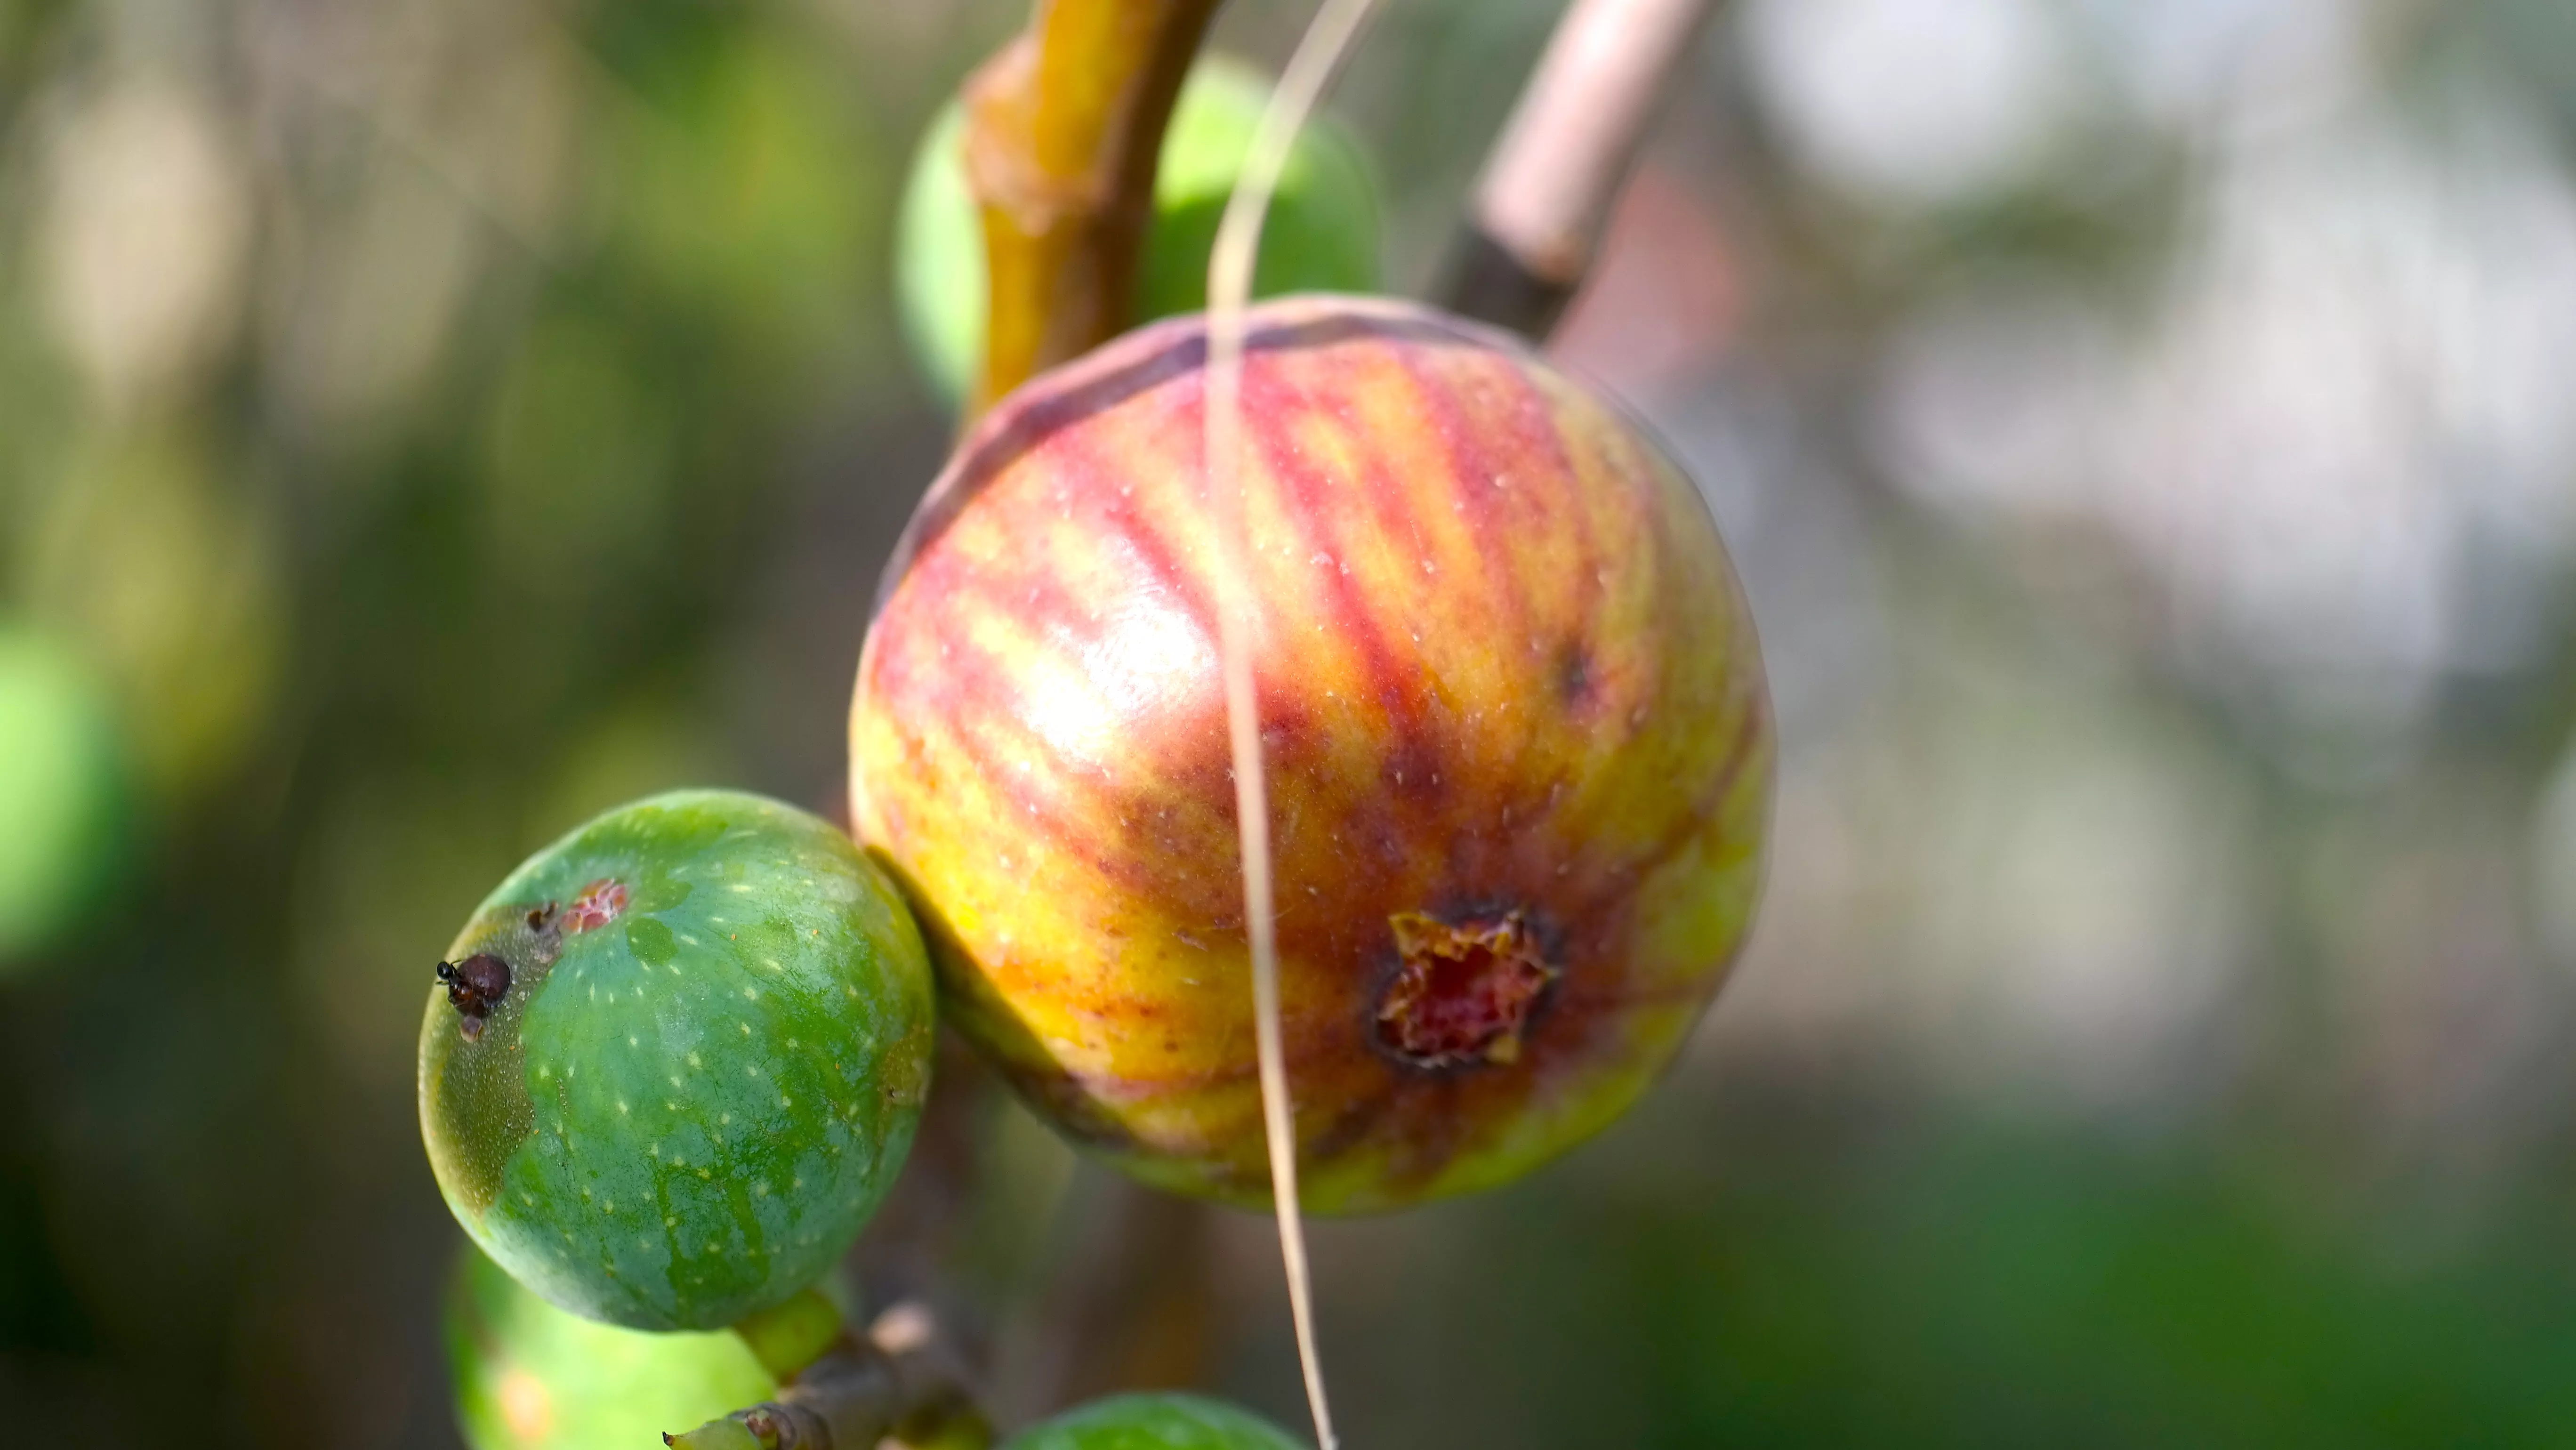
x=2148 y=430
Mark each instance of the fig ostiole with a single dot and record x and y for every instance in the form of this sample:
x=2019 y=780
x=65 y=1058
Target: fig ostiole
x=673 y=1063
x=1514 y=723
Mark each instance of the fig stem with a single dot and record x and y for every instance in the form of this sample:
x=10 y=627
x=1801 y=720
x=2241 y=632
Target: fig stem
x=1064 y=127
x=895 y=1384
x=787 y=1338
x=1557 y=168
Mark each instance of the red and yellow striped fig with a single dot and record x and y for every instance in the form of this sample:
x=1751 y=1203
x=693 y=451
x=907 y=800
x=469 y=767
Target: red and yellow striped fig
x=1518 y=744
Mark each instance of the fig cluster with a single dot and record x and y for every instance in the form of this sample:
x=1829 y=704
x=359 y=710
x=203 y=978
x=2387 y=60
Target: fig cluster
x=1519 y=757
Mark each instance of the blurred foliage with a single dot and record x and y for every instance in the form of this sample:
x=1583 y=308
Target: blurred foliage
x=2143 y=430
x=1872 y=1284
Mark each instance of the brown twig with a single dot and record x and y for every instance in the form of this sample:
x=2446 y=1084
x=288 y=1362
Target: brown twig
x=1063 y=130
x=1548 y=187
x=896 y=1384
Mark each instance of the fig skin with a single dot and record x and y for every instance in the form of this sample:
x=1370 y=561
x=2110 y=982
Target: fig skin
x=529 y=1376
x=1512 y=711
x=1155 y=1422
x=705 y=1071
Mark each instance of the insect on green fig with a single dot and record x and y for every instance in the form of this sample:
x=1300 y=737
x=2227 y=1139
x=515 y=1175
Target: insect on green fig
x=473 y=986
x=673 y=1063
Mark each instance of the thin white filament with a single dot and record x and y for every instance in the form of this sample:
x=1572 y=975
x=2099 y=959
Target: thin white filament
x=1238 y=242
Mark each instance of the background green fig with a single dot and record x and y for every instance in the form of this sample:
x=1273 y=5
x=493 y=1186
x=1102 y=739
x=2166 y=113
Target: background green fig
x=63 y=794
x=531 y=1377
x=704 y=1072
x=1155 y=1422
x=1321 y=235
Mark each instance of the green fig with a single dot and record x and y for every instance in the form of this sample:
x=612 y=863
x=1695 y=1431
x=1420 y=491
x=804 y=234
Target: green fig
x=676 y=1059
x=1321 y=234
x=531 y=1377
x=1155 y=1422
x=63 y=790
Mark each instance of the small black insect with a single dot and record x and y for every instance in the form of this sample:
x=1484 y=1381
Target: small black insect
x=474 y=986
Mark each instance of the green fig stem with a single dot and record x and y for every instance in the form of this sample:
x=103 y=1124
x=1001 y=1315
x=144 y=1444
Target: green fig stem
x=850 y=1393
x=793 y=1335
x=1064 y=128
x=1555 y=172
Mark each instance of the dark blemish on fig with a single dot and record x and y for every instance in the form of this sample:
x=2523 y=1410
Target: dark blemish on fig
x=545 y=934
x=474 y=987
x=1573 y=673
x=1462 y=992
x=1413 y=769
x=600 y=903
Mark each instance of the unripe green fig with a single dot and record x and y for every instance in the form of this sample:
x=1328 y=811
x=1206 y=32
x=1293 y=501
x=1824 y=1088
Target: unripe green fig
x=63 y=790
x=531 y=1377
x=1321 y=234
x=1155 y=1422
x=676 y=1059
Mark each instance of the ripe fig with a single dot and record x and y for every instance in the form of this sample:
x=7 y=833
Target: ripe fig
x=1518 y=745
x=1155 y=1422
x=531 y=1377
x=1322 y=233
x=674 y=1062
